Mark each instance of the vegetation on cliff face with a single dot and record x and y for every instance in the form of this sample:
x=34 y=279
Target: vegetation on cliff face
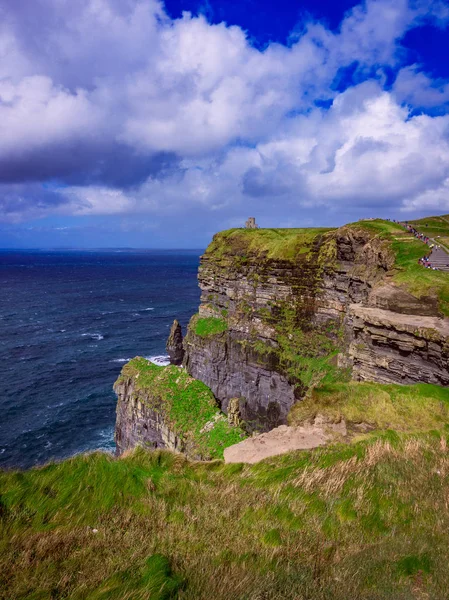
x=367 y=520
x=186 y=404
x=208 y=326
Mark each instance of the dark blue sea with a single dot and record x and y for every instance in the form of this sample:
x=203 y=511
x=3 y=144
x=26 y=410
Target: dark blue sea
x=69 y=320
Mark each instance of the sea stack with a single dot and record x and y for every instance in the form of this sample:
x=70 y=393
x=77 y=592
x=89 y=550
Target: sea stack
x=174 y=344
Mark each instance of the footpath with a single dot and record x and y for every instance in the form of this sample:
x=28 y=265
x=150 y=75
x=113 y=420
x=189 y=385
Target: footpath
x=438 y=259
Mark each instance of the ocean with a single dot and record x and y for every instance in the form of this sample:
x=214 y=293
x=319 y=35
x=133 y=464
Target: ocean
x=69 y=320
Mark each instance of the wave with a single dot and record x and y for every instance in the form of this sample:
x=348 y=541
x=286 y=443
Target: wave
x=93 y=336
x=120 y=360
x=148 y=309
x=161 y=360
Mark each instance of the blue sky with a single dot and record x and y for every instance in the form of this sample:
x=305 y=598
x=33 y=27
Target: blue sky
x=142 y=124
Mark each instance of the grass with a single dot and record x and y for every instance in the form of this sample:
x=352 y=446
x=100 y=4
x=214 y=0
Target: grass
x=280 y=244
x=407 y=272
x=186 y=404
x=365 y=521
x=206 y=326
x=409 y=408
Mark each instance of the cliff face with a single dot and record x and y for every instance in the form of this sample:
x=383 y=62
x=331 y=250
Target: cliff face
x=163 y=407
x=137 y=424
x=397 y=348
x=284 y=309
x=282 y=312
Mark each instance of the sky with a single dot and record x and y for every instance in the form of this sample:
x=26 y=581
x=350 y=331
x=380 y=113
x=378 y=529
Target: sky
x=137 y=123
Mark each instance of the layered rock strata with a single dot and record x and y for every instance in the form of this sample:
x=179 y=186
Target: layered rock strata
x=137 y=424
x=320 y=291
x=390 y=347
x=281 y=311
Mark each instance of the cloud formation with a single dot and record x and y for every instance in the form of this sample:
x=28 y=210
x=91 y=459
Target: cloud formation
x=111 y=107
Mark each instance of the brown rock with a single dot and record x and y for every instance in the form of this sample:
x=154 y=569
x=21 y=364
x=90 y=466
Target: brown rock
x=174 y=344
x=234 y=412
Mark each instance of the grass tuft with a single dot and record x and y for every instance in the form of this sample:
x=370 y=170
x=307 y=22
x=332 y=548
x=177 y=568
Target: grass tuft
x=205 y=327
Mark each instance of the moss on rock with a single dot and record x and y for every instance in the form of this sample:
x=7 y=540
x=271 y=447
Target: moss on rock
x=206 y=326
x=186 y=405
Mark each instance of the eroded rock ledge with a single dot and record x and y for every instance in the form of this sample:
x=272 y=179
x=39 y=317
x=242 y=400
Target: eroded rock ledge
x=390 y=347
x=163 y=407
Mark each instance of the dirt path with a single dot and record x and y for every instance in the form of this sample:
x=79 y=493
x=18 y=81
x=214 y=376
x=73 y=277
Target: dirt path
x=281 y=440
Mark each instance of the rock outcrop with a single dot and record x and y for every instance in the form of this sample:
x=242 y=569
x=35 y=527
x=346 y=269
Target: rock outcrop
x=174 y=345
x=283 y=439
x=163 y=407
x=137 y=424
x=391 y=347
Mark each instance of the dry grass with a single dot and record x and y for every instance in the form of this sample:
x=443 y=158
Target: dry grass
x=410 y=408
x=331 y=523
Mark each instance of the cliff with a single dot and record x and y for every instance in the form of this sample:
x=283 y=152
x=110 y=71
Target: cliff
x=162 y=407
x=285 y=310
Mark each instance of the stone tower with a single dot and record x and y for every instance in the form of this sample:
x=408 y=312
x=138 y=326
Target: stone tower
x=251 y=223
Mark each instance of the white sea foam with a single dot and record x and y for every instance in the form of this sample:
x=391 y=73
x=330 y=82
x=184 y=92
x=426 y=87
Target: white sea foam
x=93 y=336
x=161 y=361
x=148 y=308
x=120 y=360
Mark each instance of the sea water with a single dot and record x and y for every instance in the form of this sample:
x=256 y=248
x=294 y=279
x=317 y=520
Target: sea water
x=69 y=320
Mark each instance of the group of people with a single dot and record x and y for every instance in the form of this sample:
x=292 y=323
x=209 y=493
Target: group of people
x=425 y=260
x=417 y=234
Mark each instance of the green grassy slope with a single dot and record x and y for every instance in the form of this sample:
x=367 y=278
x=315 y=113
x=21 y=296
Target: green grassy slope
x=407 y=408
x=366 y=521
x=281 y=244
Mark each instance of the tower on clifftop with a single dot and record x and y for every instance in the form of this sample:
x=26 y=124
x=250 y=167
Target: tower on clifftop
x=251 y=223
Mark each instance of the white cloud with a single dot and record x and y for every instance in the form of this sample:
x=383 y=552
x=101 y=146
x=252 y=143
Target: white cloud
x=417 y=89
x=242 y=122
x=95 y=200
x=35 y=113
